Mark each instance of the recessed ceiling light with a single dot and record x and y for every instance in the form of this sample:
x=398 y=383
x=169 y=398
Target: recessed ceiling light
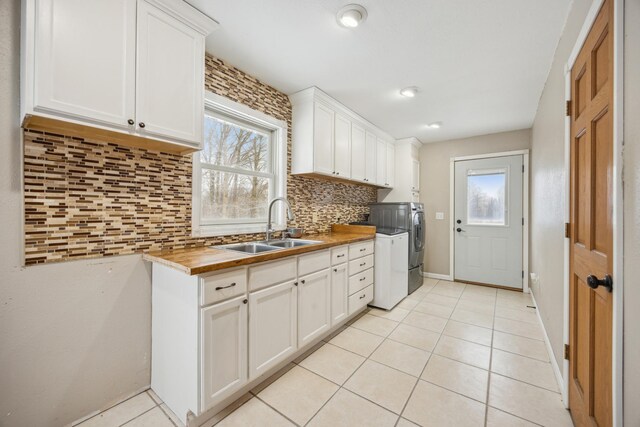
x=351 y=15
x=409 y=92
x=435 y=125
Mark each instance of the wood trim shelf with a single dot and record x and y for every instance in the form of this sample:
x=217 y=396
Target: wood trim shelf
x=62 y=127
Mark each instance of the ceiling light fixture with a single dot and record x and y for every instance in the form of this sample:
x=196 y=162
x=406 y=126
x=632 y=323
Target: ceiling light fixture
x=351 y=15
x=409 y=92
x=435 y=125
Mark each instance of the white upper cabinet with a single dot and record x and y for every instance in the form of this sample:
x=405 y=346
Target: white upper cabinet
x=391 y=164
x=415 y=175
x=331 y=141
x=381 y=163
x=323 y=134
x=342 y=147
x=131 y=67
x=170 y=76
x=371 y=173
x=358 y=162
x=85 y=53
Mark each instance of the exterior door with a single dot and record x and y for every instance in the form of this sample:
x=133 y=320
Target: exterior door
x=488 y=221
x=591 y=230
x=224 y=350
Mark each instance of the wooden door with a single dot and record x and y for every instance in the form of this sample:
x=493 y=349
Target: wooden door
x=314 y=305
x=339 y=293
x=224 y=350
x=342 y=147
x=169 y=77
x=323 y=139
x=358 y=161
x=591 y=232
x=272 y=327
x=86 y=60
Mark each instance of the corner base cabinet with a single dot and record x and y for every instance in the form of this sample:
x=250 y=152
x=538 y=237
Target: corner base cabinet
x=217 y=335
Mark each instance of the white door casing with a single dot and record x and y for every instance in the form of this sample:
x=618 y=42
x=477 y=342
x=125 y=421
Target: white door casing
x=488 y=246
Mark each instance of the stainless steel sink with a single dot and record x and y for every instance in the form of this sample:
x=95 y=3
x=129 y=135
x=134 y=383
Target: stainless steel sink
x=291 y=243
x=249 y=248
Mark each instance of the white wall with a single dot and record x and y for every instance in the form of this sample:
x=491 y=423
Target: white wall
x=434 y=185
x=632 y=213
x=74 y=337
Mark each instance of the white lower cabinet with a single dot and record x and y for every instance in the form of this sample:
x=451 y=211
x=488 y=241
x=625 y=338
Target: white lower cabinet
x=339 y=293
x=314 y=305
x=272 y=326
x=224 y=349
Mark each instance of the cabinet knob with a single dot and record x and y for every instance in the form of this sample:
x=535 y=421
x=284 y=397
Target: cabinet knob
x=141 y=124
x=295 y=283
x=337 y=173
x=302 y=281
x=335 y=270
x=244 y=301
x=131 y=122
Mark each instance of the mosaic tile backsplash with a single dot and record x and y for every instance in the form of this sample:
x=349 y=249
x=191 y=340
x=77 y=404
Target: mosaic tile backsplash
x=87 y=199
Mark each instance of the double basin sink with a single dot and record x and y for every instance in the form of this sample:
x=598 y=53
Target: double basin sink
x=266 y=245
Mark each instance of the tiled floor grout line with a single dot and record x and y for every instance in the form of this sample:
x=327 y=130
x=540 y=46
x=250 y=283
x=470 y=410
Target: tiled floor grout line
x=493 y=324
x=117 y=404
x=142 y=413
x=167 y=415
x=404 y=407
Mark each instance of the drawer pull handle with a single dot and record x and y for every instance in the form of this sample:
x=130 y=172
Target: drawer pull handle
x=218 y=288
x=363 y=264
x=363 y=279
x=340 y=256
x=363 y=295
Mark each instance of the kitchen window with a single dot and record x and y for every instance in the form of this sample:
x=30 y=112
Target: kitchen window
x=241 y=167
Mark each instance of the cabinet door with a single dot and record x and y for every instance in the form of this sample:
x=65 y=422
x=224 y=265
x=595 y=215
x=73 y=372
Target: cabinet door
x=169 y=77
x=391 y=164
x=314 y=305
x=381 y=162
x=323 y=139
x=224 y=350
x=370 y=158
x=358 y=149
x=85 y=54
x=272 y=326
x=342 y=147
x=339 y=293
x=415 y=175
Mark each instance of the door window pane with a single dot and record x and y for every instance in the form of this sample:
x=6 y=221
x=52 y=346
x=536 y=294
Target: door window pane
x=486 y=194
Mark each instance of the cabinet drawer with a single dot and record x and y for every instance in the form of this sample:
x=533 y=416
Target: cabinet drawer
x=361 y=264
x=360 y=281
x=357 y=250
x=339 y=255
x=222 y=285
x=271 y=273
x=360 y=299
x=313 y=262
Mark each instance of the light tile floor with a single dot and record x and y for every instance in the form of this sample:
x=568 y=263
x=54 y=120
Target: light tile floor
x=450 y=354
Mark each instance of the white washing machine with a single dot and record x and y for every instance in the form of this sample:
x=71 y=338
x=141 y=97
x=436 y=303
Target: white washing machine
x=391 y=274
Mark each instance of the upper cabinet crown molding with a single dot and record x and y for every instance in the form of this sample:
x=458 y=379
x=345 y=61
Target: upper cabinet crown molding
x=331 y=141
x=90 y=69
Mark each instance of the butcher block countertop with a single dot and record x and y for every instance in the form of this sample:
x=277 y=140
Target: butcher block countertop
x=206 y=259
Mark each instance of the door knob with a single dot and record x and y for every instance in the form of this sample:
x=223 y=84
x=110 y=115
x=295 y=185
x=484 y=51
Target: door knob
x=594 y=282
x=459 y=229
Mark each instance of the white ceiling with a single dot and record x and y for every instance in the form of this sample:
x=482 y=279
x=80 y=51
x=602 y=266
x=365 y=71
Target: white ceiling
x=480 y=64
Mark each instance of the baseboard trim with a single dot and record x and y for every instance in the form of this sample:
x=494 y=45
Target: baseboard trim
x=437 y=276
x=552 y=357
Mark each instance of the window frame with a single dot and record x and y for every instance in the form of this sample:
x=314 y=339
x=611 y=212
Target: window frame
x=224 y=108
